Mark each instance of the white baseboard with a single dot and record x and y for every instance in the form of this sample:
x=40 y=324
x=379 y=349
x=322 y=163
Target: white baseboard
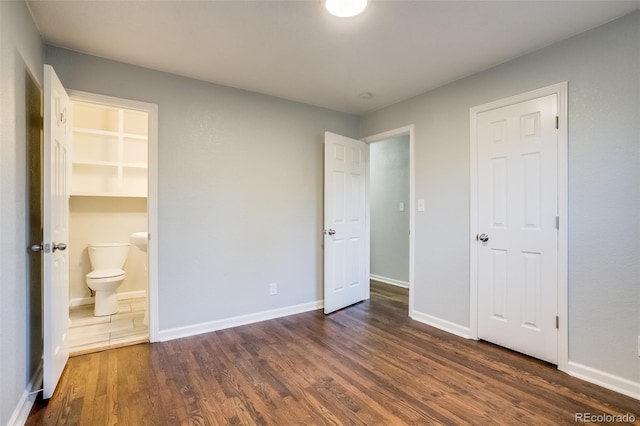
x=444 y=325
x=206 y=327
x=121 y=296
x=22 y=410
x=589 y=374
x=391 y=281
x=604 y=379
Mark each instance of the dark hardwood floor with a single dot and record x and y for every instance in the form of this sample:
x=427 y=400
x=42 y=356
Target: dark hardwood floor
x=368 y=364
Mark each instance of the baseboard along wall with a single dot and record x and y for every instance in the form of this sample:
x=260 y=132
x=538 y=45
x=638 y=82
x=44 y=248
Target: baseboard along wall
x=388 y=280
x=206 y=327
x=121 y=296
x=28 y=397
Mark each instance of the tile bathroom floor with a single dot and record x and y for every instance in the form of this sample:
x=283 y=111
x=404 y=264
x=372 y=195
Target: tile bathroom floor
x=88 y=333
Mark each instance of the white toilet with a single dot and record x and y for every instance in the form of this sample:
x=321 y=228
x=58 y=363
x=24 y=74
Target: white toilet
x=107 y=260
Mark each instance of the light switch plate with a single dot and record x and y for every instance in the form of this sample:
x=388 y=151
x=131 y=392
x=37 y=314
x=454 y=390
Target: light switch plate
x=420 y=205
x=401 y=206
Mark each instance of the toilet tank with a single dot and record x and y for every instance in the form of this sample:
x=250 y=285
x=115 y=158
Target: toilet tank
x=108 y=255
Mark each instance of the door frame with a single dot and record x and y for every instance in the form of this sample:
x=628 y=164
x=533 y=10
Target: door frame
x=561 y=90
x=405 y=130
x=152 y=195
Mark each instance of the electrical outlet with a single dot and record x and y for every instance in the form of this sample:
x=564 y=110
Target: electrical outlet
x=273 y=289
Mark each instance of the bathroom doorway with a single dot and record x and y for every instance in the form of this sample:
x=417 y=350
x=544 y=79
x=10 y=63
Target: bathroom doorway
x=112 y=202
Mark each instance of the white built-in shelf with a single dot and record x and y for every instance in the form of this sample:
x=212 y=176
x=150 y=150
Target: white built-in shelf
x=109 y=164
x=98 y=132
x=110 y=149
x=135 y=165
x=95 y=163
x=106 y=194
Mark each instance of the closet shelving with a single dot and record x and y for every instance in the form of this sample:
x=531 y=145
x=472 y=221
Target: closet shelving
x=109 y=151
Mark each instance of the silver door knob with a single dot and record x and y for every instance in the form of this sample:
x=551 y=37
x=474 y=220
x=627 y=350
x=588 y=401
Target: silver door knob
x=330 y=232
x=483 y=237
x=59 y=246
x=36 y=248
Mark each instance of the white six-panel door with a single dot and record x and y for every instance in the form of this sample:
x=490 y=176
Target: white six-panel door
x=346 y=278
x=55 y=212
x=518 y=239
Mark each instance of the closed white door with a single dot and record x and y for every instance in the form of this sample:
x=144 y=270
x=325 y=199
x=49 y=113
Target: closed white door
x=517 y=224
x=55 y=211
x=346 y=258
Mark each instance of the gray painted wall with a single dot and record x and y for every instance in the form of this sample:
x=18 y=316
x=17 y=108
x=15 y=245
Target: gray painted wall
x=389 y=177
x=21 y=52
x=602 y=67
x=240 y=189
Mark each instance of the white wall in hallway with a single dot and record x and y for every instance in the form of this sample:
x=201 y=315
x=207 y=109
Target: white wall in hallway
x=389 y=178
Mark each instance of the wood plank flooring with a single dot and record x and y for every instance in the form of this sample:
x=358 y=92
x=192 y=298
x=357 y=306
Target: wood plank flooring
x=368 y=364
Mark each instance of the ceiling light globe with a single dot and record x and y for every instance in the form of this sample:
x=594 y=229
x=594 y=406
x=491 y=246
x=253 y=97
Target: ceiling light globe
x=345 y=8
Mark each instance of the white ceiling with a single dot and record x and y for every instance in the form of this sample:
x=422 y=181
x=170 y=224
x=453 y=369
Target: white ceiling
x=295 y=50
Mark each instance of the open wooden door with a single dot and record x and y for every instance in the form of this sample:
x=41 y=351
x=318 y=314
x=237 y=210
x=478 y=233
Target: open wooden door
x=55 y=210
x=346 y=260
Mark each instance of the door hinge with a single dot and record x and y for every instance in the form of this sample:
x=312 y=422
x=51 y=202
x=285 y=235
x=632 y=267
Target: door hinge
x=557 y=122
x=557 y=321
x=557 y=222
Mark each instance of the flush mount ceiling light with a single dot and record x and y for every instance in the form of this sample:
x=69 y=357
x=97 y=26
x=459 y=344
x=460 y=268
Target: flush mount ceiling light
x=345 y=8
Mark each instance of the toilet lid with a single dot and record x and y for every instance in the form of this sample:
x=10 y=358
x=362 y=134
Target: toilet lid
x=105 y=273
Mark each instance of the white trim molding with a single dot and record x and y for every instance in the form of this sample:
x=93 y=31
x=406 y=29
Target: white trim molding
x=604 y=379
x=561 y=90
x=79 y=301
x=442 y=324
x=22 y=410
x=206 y=327
x=391 y=281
